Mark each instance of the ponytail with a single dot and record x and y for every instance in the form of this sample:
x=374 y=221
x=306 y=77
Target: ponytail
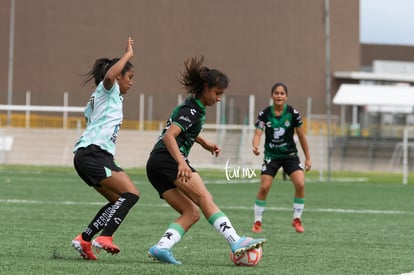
x=99 y=69
x=196 y=76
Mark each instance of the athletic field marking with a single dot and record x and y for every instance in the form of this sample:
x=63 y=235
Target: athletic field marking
x=331 y=210
x=323 y=210
x=256 y=180
x=307 y=180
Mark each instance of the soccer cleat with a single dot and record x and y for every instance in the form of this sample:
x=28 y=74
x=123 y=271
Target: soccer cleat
x=84 y=248
x=297 y=224
x=105 y=243
x=245 y=243
x=162 y=255
x=257 y=227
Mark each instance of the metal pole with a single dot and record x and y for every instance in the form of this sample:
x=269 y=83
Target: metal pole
x=328 y=86
x=309 y=115
x=11 y=61
x=405 y=156
x=180 y=99
x=65 y=113
x=150 y=107
x=218 y=113
x=222 y=105
x=322 y=154
x=141 y=111
x=231 y=111
x=27 y=116
x=251 y=109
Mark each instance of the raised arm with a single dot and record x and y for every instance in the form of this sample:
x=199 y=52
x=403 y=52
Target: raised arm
x=117 y=68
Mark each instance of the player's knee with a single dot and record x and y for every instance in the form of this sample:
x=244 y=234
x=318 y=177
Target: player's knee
x=264 y=190
x=130 y=198
x=195 y=217
x=192 y=214
x=300 y=186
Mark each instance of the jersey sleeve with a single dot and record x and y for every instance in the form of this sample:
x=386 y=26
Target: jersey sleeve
x=186 y=117
x=261 y=120
x=297 y=119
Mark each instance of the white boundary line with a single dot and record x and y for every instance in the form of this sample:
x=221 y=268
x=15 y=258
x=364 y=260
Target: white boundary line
x=324 y=210
x=307 y=180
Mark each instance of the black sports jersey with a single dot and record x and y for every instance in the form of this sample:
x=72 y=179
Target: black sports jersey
x=190 y=117
x=279 y=132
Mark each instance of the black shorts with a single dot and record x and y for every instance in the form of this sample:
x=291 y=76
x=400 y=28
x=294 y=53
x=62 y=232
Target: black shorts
x=162 y=171
x=289 y=165
x=94 y=164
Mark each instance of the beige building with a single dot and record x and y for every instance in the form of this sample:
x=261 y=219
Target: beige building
x=257 y=43
x=371 y=52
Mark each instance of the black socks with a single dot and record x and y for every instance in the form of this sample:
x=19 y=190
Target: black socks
x=97 y=223
x=118 y=212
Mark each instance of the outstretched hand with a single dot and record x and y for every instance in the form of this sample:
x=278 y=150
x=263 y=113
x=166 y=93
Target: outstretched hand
x=256 y=151
x=308 y=165
x=215 y=150
x=209 y=146
x=129 y=48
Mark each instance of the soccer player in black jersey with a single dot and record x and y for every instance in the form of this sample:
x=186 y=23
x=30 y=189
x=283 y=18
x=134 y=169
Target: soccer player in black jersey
x=280 y=122
x=170 y=172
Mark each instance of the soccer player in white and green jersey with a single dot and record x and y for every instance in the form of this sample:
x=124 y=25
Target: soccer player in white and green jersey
x=95 y=150
x=280 y=122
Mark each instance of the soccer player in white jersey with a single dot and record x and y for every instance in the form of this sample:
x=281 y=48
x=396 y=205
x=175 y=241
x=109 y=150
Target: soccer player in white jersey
x=95 y=150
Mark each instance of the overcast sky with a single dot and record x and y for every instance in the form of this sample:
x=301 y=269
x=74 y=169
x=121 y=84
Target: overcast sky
x=387 y=22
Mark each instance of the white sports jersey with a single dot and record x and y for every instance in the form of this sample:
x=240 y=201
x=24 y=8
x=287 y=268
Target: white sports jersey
x=103 y=114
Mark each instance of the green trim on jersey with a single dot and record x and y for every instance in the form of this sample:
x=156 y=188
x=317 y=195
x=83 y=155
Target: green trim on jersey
x=103 y=114
x=190 y=116
x=279 y=132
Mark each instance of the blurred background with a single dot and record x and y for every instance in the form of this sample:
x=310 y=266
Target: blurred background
x=355 y=95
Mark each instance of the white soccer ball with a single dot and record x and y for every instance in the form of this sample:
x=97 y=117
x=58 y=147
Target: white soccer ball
x=249 y=258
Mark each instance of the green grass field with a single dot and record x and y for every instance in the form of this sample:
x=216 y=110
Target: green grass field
x=355 y=224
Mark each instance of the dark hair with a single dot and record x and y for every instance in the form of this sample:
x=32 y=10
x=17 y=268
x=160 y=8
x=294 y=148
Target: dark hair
x=195 y=76
x=100 y=68
x=277 y=85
